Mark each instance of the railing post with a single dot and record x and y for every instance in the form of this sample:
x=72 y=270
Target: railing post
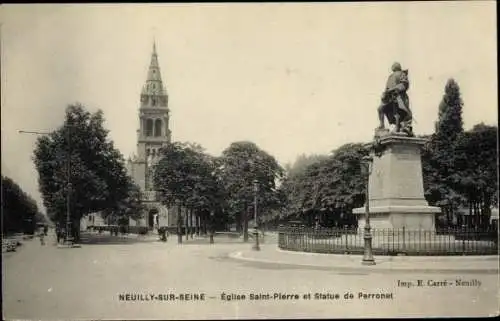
x=346 y=239
x=392 y=240
x=404 y=238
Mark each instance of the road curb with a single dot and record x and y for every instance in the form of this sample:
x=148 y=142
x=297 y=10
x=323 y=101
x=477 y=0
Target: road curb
x=364 y=268
x=390 y=258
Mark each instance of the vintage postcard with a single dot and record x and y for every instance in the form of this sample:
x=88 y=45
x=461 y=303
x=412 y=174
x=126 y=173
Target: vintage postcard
x=249 y=160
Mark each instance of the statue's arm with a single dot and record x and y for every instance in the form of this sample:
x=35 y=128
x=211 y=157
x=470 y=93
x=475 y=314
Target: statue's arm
x=404 y=83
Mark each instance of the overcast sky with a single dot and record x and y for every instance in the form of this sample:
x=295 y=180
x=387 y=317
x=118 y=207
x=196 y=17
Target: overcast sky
x=293 y=78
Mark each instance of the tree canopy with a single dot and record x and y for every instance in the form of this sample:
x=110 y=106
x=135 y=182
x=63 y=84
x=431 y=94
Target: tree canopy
x=78 y=160
x=20 y=212
x=186 y=175
x=331 y=187
x=242 y=164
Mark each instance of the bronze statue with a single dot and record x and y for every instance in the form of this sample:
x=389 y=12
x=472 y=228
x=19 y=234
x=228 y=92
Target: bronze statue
x=395 y=103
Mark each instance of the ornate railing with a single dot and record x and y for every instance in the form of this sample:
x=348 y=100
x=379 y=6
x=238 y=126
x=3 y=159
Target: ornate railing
x=390 y=241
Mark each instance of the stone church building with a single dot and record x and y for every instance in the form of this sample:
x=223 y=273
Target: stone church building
x=152 y=134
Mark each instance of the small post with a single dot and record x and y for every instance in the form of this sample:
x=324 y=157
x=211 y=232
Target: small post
x=404 y=238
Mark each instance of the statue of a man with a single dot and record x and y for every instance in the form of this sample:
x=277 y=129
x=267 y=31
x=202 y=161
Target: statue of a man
x=395 y=103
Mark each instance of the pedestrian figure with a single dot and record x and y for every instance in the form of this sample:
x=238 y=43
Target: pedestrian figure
x=59 y=234
x=42 y=238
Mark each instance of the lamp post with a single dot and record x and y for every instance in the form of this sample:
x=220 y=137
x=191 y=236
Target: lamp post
x=69 y=238
x=256 y=246
x=368 y=253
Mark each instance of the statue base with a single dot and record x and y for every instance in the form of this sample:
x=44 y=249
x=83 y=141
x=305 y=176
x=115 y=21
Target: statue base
x=396 y=189
x=399 y=217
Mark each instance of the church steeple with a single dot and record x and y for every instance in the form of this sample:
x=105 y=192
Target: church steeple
x=154 y=93
x=154 y=129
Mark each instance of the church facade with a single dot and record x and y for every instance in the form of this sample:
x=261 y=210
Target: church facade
x=152 y=134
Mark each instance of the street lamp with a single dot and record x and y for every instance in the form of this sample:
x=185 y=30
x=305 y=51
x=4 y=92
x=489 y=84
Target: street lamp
x=368 y=254
x=256 y=246
x=69 y=238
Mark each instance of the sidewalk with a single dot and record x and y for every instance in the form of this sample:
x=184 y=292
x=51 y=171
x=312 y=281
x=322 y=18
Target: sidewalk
x=271 y=254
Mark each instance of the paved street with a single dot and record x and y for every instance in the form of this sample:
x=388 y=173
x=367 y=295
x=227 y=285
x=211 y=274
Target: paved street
x=44 y=282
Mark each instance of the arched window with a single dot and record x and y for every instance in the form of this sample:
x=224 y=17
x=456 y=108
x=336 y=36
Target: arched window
x=153 y=101
x=149 y=127
x=158 y=127
x=154 y=152
x=148 y=151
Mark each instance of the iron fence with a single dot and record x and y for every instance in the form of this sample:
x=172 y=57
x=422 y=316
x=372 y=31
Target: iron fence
x=390 y=241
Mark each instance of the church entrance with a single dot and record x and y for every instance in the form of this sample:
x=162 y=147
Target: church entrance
x=152 y=218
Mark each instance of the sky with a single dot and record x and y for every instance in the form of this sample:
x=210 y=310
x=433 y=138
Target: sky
x=294 y=78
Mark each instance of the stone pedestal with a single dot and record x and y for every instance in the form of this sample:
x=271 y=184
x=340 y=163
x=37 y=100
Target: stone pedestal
x=396 y=190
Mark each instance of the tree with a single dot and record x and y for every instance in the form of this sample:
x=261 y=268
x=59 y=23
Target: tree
x=19 y=211
x=80 y=162
x=241 y=164
x=128 y=207
x=478 y=174
x=185 y=177
x=302 y=162
x=441 y=162
x=450 y=124
x=328 y=190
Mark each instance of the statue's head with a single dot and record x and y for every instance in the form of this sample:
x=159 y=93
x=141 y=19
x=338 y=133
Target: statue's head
x=396 y=66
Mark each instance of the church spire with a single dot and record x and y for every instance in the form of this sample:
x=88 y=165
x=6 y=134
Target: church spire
x=154 y=83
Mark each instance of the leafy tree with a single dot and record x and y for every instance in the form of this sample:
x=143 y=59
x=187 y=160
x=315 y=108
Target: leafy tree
x=302 y=162
x=19 y=211
x=128 y=207
x=441 y=162
x=241 y=164
x=185 y=177
x=460 y=167
x=450 y=124
x=78 y=161
x=478 y=174
x=328 y=190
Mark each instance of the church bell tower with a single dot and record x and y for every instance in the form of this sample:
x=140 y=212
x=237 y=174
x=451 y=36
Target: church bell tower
x=153 y=130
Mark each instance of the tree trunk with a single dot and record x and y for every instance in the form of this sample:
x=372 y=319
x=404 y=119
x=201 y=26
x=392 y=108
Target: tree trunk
x=476 y=214
x=187 y=223
x=471 y=210
x=179 y=224
x=191 y=225
x=237 y=221
x=76 y=231
x=198 y=221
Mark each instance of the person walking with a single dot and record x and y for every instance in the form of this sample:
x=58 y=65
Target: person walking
x=58 y=233
x=42 y=237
